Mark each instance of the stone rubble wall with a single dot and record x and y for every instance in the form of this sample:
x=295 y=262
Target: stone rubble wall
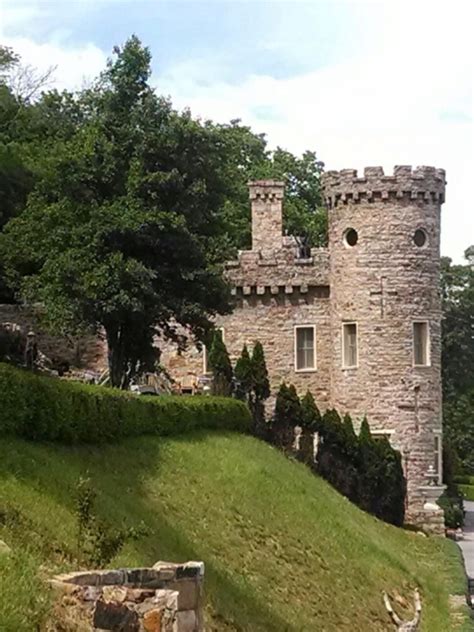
x=165 y=598
x=87 y=352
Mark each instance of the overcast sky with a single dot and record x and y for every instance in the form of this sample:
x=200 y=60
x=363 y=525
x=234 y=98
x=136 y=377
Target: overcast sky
x=371 y=83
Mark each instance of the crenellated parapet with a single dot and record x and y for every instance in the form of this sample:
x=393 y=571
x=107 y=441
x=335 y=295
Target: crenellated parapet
x=282 y=272
x=422 y=183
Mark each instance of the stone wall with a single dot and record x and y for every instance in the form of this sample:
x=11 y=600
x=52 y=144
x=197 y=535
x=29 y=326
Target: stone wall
x=384 y=283
x=165 y=598
x=87 y=352
x=266 y=198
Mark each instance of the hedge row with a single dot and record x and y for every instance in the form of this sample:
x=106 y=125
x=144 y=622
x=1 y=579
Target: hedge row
x=43 y=408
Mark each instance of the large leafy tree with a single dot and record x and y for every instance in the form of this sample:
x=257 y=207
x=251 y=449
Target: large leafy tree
x=114 y=234
x=457 y=284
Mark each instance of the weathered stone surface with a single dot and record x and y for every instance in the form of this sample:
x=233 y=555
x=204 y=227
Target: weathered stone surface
x=187 y=621
x=127 y=607
x=4 y=548
x=383 y=283
x=189 y=592
x=152 y=620
x=116 y=594
x=115 y=616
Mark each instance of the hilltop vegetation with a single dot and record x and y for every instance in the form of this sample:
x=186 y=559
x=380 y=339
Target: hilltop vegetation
x=283 y=551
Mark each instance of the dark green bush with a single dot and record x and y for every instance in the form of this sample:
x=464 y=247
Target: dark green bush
x=453 y=508
x=286 y=417
x=367 y=471
x=43 y=408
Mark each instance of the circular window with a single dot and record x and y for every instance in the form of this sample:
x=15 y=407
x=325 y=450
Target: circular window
x=420 y=237
x=350 y=237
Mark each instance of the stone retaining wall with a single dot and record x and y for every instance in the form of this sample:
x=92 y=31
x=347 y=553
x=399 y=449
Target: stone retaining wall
x=165 y=598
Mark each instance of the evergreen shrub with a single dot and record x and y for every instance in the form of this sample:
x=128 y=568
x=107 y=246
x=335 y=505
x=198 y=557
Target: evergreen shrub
x=43 y=408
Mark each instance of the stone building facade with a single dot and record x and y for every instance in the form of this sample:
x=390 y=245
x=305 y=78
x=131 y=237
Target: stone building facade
x=357 y=323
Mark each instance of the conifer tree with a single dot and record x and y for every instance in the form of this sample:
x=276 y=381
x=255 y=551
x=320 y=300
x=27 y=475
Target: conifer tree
x=260 y=390
x=243 y=375
x=287 y=415
x=261 y=384
x=311 y=423
x=220 y=365
x=310 y=415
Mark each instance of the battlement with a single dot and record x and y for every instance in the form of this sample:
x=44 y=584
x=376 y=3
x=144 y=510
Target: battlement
x=281 y=270
x=266 y=190
x=420 y=183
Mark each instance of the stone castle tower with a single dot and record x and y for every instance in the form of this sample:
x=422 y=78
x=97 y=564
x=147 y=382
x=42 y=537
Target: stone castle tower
x=384 y=236
x=358 y=322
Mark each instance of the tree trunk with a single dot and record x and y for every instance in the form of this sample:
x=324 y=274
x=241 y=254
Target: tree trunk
x=116 y=360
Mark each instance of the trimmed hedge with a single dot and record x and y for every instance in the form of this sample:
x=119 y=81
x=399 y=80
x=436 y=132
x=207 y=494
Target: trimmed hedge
x=44 y=408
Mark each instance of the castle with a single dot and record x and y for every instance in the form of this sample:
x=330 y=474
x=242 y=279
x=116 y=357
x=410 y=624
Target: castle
x=357 y=323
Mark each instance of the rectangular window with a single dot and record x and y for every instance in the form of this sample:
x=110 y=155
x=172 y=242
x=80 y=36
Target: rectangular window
x=349 y=345
x=438 y=455
x=421 y=343
x=205 y=354
x=305 y=348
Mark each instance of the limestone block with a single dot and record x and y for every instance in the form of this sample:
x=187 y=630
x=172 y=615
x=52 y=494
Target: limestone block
x=186 y=621
x=188 y=593
x=113 y=616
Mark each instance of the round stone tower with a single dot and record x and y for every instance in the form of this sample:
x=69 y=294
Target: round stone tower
x=384 y=233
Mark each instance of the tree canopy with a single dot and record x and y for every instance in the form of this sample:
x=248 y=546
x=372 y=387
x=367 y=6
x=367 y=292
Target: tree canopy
x=117 y=211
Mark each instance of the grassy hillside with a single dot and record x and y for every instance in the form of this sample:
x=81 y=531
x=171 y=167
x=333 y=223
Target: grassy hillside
x=283 y=551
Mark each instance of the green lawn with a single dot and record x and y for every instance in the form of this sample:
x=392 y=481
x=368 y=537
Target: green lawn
x=283 y=551
x=468 y=491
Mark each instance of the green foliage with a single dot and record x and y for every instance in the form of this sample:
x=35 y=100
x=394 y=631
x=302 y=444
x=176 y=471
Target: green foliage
x=115 y=234
x=367 y=471
x=310 y=415
x=220 y=365
x=453 y=508
x=243 y=375
x=457 y=286
x=458 y=418
x=287 y=415
x=261 y=383
x=48 y=409
x=98 y=541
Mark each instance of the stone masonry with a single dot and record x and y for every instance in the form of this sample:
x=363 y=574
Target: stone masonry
x=165 y=598
x=380 y=273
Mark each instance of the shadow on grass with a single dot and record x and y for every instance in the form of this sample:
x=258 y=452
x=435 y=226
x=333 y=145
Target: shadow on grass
x=122 y=496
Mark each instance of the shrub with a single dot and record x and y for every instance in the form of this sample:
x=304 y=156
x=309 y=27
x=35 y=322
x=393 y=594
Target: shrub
x=243 y=375
x=220 y=366
x=260 y=390
x=337 y=460
x=98 y=541
x=311 y=423
x=287 y=415
x=369 y=472
x=44 y=408
x=453 y=508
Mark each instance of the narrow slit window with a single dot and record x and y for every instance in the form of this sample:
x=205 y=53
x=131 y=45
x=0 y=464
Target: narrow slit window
x=349 y=345
x=305 y=348
x=421 y=344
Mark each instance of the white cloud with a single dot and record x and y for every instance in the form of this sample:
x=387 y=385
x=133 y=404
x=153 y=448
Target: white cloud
x=408 y=101
x=405 y=99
